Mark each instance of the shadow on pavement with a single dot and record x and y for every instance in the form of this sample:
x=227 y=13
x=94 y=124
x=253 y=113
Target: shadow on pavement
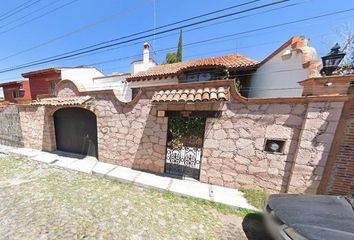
x=254 y=227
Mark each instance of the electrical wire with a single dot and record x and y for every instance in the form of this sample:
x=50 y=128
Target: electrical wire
x=171 y=24
x=185 y=31
x=38 y=17
x=80 y=29
x=18 y=9
x=29 y=14
x=82 y=50
x=256 y=30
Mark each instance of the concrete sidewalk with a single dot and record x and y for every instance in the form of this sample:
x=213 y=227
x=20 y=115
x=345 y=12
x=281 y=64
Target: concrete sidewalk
x=86 y=164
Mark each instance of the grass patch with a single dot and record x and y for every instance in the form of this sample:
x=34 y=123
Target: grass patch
x=221 y=208
x=255 y=197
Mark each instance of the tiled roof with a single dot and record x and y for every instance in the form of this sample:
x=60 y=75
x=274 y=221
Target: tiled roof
x=192 y=95
x=61 y=101
x=227 y=61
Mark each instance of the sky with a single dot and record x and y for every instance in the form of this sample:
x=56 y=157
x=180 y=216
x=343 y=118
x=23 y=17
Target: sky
x=51 y=27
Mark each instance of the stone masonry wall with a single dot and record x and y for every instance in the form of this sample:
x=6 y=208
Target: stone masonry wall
x=10 y=127
x=33 y=127
x=316 y=138
x=132 y=135
x=234 y=155
x=128 y=135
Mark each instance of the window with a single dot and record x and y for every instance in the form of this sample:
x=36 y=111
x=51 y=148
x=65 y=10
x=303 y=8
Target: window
x=52 y=87
x=135 y=92
x=274 y=146
x=14 y=93
x=198 y=76
x=21 y=92
x=204 y=76
x=192 y=77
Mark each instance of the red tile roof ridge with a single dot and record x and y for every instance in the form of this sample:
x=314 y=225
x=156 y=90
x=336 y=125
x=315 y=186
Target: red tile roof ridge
x=228 y=61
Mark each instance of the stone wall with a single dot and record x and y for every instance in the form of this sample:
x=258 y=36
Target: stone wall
x=33 y=127
x=129 y=135
x=234 y=155
x=10 y=127
x=316 y=138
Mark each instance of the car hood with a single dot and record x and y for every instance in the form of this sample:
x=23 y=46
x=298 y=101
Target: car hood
x=315 y=216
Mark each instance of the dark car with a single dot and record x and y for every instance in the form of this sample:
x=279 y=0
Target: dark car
x=294 y=217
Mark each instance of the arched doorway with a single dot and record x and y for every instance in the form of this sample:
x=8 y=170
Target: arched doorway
x=76 y=131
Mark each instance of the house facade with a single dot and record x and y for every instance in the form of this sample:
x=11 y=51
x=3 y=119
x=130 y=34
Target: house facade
x=192 y=120
x=276 y=76
x=16 y=91
x=44 y=81
x=279 y=73
x=276 y=144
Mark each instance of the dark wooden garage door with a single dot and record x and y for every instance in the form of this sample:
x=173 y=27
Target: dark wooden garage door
x=76 y=131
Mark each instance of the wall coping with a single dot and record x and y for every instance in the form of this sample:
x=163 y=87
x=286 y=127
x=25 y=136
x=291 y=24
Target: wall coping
x=218 y=83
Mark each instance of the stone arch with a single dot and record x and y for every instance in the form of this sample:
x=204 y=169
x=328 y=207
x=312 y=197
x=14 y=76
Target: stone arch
x=67 y=88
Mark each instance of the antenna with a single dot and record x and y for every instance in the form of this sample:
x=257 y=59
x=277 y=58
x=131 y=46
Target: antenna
x=154 y=15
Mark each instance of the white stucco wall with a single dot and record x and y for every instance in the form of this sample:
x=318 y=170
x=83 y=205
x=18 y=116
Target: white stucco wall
x=82 y=76
x=279 y=76
x=125 y=88
x=140 y=66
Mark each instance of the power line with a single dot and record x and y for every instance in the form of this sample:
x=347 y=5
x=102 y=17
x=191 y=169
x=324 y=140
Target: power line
x=189 y=30
x=29 y=14
x=82 y=28
x=72 y=53
x=229 y=35
x=149 y=30
x=18 y=9
x=40 y=16
x=194 y=55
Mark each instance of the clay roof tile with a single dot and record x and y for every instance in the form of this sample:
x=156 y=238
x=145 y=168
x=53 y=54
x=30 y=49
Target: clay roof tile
x=233 y=61
x=192 y=95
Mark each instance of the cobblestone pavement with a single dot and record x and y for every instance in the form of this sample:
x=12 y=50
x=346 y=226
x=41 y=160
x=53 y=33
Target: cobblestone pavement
x=42 y=202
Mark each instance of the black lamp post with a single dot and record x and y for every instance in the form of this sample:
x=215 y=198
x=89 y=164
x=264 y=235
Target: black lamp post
x=331 y=60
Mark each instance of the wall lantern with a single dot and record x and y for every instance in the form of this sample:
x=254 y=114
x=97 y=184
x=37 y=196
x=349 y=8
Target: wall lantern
x=331 y=60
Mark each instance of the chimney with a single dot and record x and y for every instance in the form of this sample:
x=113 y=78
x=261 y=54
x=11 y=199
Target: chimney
x=146 y=53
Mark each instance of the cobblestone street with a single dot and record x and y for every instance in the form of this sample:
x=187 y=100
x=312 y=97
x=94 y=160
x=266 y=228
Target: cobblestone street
x=41 y=202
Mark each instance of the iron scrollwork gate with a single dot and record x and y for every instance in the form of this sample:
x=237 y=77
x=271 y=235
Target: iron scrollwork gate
x=184 y=147
x=184 y=162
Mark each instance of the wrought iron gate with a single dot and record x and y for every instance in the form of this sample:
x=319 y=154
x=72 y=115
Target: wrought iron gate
x=184 y=147
x=184 y=161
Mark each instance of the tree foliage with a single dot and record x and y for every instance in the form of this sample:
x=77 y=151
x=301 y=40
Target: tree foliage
x=171 y=57
x=180 y=47
x=175 y=57
x=185 y=131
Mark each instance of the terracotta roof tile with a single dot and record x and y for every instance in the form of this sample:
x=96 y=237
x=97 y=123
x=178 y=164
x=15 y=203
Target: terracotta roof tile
x=228 y=61
x=62 y=101
x=192 y=95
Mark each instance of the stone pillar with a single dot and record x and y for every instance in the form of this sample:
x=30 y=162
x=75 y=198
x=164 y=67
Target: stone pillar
x=315 y=141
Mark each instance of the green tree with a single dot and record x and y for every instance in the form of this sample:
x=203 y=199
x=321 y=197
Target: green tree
x=175 y=57
x=180 y=47
x=171 y=58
